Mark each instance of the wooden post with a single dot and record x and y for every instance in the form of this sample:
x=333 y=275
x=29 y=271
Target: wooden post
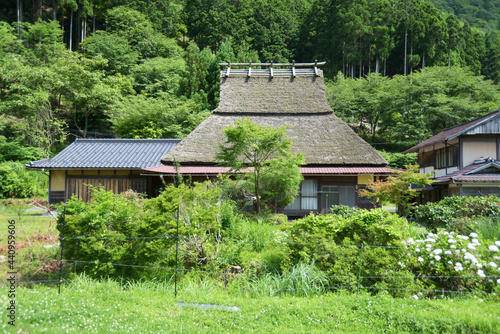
x=62 y=247
x=293 y=68
x=228 y=69
x=176 y=251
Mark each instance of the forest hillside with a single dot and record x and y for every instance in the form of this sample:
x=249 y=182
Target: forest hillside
x=397 y=71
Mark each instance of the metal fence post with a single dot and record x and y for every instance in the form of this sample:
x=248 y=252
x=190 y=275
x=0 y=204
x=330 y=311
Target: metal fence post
x=176 y=251
x=62 y=247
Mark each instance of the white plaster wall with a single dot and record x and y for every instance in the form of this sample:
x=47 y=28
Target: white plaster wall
x=477 y=149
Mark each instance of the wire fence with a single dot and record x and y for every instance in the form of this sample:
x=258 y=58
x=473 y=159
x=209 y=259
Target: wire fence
x=227 y=274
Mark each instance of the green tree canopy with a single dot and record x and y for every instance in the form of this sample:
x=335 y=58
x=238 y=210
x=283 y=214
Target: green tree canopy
x=263 y=164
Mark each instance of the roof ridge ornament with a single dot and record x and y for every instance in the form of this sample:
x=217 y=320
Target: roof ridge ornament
x=315 y=64
x=290 y=68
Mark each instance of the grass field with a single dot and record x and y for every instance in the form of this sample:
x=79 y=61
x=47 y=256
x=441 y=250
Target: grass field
x=86 y=306
x=90 y=306
x=36 y=241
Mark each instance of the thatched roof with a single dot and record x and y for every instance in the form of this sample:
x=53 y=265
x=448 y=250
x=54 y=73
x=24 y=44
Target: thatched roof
x=323 y=138
x=296 y=102
x=277 y=95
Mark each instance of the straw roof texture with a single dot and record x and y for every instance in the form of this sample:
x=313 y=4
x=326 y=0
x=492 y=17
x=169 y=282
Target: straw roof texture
x=298 y=103
x=324 y=139
x=278 y=95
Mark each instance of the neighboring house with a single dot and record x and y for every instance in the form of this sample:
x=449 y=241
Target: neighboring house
x=338 y=162
x=464 y=159
x=114 y=164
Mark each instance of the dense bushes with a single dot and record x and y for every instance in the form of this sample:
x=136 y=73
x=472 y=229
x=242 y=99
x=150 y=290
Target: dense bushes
x=450 y=212
x=350 y=249
x=341 y=245
x=451 y=261
x=16 y=181
x=125 y=230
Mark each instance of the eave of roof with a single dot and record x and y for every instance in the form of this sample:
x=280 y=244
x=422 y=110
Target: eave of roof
x=305 y=170
x=472 y=173
x=456 y=131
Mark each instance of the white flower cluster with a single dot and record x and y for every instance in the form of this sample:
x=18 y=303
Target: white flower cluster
x=468 y=259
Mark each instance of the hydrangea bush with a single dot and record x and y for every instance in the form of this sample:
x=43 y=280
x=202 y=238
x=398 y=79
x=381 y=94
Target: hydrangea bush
x=454 y=262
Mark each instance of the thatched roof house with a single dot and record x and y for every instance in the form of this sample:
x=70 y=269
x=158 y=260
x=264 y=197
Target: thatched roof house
x=335 y=156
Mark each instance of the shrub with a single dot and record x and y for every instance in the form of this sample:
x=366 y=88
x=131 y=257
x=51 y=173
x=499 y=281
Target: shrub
x=16 y=181
x=451 y=261
x=438 y=214
x=125 y=230
x=199 y=212
x=98 y=232
x=341 y=246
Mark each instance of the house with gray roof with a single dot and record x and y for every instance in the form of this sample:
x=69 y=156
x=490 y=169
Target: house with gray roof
x=114 y=164
x=338 y=161
x=464 y=159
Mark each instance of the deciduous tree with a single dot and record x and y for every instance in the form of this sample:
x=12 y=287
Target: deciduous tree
x=263 y=164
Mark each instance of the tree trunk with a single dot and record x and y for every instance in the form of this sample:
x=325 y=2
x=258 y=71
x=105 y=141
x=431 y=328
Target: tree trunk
x=360 y=60
x=406 y=49
x=257 y=197
x=71 y=31
x=54 y=10
x=411 y=57
x=423 y=60
x=78 y=29
x=93 y=18
x=19 y=6
x=38 y=11
x=62 y=22
x=343 y=60
x=377 y=65
x=370 y=60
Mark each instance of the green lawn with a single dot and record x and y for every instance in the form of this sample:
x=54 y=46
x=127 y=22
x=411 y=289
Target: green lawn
x=90 y=307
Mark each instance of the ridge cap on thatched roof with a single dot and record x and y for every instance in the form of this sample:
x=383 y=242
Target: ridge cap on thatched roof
x=294 y=70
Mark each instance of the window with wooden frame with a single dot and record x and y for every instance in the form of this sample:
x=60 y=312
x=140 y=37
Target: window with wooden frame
x=446 y=157
x=307 y=200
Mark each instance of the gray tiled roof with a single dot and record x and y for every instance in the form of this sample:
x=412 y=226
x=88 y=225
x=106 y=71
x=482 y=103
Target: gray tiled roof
x=108 y=154
x=474 y=173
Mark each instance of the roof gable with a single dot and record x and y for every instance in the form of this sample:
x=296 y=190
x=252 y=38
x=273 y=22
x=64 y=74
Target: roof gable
x=108 y=154
x=487 y=124
x=296 y=100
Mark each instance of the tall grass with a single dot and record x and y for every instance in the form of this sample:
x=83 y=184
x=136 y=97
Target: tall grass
x=489 y=228
x=258 y=233
x=303 y=280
